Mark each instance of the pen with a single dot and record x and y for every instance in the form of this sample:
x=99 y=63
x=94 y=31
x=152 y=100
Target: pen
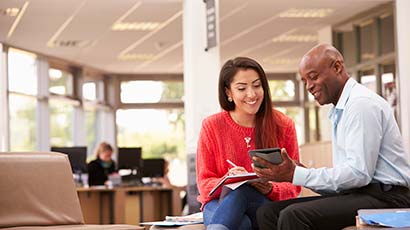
x=231 y=163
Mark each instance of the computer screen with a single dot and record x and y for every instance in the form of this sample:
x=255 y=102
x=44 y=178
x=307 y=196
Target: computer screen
x=153 y=167
x=129 y=158
x=77 y=156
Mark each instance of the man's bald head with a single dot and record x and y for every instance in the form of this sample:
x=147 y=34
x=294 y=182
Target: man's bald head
x=321 y=54
x=323 y=72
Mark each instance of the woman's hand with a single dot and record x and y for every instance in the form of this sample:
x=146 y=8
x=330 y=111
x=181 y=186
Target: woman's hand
x=237 y=170
x=263 y=187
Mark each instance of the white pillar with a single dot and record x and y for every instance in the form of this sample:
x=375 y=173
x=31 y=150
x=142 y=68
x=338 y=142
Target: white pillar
x=325 y=36
x=403 y=68
x=4 y=121
x=43 y=109
x=201 y=70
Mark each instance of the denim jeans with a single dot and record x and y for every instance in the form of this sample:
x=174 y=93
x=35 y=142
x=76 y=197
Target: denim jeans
x=237 y=210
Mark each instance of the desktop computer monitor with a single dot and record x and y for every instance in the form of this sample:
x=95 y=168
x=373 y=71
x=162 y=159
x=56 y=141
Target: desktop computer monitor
x=129 y=158
x=77 y=156
x=153 y=168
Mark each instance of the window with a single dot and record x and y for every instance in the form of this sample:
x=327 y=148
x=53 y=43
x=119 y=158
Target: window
x=90 y=91
x=91 y=128
x=366 y=41
x=22 y=122
x=368 y=79
x=389 y=90
x=151 y=91
x=22 y=81
x=387 y=33
x=282 y=90
x=61 y=123
x=61 y=82
x=295 y=113
x=160 y=132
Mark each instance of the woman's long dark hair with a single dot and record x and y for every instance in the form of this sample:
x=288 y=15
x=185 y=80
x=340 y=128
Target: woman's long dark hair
x=267 y=121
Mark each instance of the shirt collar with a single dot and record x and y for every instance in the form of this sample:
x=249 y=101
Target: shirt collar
x=344 y=97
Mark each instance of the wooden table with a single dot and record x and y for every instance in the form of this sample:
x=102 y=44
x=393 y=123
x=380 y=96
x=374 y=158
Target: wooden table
x=125 y=205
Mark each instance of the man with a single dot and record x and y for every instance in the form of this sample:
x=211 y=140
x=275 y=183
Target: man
x=370 y=166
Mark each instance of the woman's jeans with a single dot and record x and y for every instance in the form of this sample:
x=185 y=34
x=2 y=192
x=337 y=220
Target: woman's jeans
x=236 y=210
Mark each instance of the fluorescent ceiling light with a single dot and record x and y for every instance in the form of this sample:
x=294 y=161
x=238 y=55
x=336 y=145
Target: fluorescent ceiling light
x=281 y=61
x=306 y=13
x=18 y=18
x=144 y=26
x=296 y=38
x=136 y=57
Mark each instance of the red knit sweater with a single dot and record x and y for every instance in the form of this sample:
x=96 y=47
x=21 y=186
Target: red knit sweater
x=221 y=139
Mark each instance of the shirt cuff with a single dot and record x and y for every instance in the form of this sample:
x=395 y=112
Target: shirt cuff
x=300 y=176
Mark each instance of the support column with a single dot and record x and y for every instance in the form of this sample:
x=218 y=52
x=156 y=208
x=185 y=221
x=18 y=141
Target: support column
x=4 y=120
x=403 y=68
x=43 y=108
x=201 y=70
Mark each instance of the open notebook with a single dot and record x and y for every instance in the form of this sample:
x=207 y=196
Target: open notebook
x=233 y=181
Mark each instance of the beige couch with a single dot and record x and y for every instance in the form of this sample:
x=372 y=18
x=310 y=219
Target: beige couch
x=37 y=191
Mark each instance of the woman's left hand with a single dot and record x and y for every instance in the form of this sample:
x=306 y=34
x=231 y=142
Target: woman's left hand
x=262 y=187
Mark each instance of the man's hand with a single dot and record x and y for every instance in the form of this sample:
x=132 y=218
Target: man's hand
x=262 y=187
x=279 y=173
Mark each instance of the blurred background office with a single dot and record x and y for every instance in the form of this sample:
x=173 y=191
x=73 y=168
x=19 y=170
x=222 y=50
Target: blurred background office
x=142 y=73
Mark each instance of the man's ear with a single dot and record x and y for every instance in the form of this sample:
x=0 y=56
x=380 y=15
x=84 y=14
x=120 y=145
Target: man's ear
x=337 y=66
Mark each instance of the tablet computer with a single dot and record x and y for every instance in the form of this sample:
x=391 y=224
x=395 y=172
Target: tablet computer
x=270 y=154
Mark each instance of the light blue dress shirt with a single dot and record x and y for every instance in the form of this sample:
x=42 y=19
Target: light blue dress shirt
x=367 y=145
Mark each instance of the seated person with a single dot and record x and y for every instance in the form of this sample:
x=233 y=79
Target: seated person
x=102 y=166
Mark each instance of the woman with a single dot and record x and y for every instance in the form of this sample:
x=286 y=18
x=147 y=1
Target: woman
x=102 y=166
x=247 y=122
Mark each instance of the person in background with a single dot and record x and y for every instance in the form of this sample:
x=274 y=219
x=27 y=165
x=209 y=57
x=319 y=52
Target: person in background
x=370 y=167
x=248 y=121
x=102 y=166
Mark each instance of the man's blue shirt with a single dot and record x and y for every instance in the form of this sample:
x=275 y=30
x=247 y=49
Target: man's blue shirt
x=367 y=145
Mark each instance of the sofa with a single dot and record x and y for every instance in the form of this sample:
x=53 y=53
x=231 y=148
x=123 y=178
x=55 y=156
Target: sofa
x=37 y=191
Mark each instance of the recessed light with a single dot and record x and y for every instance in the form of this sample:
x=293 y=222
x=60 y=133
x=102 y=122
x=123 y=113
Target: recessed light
x=296 y=38
x=144 y=26
x=12 y=12
x=306 y=13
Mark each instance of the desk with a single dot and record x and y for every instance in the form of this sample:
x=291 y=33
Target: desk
x=125 y=205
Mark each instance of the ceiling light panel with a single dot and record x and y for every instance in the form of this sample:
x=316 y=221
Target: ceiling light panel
x=129 y=26
x=296 y=38
x=306 y=13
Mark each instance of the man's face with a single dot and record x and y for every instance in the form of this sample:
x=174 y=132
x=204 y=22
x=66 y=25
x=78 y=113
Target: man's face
x=321 y=79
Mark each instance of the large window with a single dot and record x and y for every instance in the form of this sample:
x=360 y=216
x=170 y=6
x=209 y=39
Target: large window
x=61 y=123
x=22 y=122
x=160 y=132
x=151 y=116
x=22 y=82
x=151 y=91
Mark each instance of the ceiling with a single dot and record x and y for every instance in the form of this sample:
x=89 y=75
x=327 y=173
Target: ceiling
x=80 y=31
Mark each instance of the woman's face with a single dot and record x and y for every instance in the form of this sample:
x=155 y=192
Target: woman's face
x=246 y=91
x=105 y=155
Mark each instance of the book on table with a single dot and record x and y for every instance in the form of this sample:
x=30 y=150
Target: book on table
x=395 y=217
x=175 y=221
x=234 y=181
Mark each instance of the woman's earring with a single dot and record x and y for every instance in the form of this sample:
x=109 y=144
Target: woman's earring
x=230 y=99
